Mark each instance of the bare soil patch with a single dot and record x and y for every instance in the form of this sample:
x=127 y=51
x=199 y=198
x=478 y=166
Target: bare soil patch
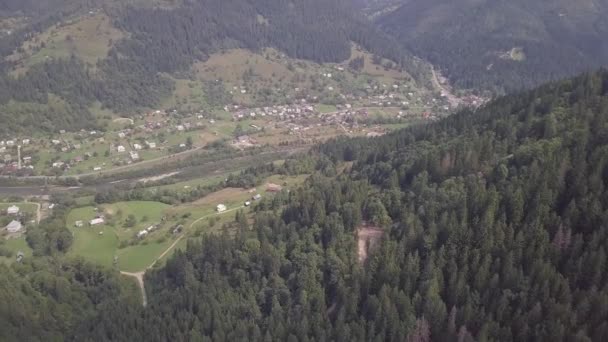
x=368 y=237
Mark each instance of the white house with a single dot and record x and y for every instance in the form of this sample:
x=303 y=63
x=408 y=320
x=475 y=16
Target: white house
x=134 y=155
x=257 y=197
x=14 y=227
x=10 y=143
x=13 y=210
x=97 y=221
x=221 y=208
x=79 y=224
x=26 y=141
x=120 y=149
x=151 y=144
x=137 y=147
x=142 y=234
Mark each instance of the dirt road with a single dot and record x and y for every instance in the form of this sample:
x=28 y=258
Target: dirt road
x=140 y=275
x=452 y=99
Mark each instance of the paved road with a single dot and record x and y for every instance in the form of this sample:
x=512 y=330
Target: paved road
x=115 y=169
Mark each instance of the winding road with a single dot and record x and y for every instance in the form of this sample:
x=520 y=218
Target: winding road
x=139 y=276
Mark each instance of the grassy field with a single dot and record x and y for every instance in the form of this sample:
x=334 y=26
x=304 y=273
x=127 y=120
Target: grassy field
x=89 y=38
x=15 y=246
x=28 y=208
x=101 y=244
x=102 y=248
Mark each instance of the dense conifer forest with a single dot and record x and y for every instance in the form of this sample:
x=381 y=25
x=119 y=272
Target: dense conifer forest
x=494 y=229
x=500 y=45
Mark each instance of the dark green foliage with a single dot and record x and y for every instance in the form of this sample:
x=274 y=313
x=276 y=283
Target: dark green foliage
x=47 y=300
x=494 y=230
x=471 y=40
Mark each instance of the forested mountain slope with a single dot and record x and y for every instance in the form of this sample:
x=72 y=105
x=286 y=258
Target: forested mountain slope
x=146 y=42
x=494 y=229
x=503 y=45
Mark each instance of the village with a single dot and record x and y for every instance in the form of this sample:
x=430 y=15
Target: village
x=160 y=133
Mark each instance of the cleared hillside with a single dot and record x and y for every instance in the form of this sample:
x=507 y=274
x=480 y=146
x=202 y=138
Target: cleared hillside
x=127 y=55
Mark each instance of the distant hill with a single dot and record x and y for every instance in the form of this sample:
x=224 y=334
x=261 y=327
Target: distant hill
x=501 y=45
x=126 y=54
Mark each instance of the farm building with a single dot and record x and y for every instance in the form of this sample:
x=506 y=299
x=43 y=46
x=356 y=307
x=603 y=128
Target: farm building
x=78 y=224
x=14 y=227
x=97 y=221
x=13 y=210
x=273 y=187
x=220 y=208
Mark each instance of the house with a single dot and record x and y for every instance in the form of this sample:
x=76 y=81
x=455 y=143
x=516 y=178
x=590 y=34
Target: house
x=248 y=203
x=78 y=224
x=134 y=155
x=97 y=221
x=273 y=187
x=14 y=227
x=97 y=168
x=142 y=234
x=137 y=147
x=13 y=210
x=151 y=144
x=151 y=228
x=55 y=142
x=257 y=197
x=121 y=135
x=121 y=149
x=220 y=208
x=26 y=141
x=180 y=128
x=10 y=143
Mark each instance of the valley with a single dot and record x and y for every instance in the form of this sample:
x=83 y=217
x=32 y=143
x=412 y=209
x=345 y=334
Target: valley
x=303 y=170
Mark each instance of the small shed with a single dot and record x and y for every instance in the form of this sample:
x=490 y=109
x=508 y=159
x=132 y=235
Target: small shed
x=14 y=227
x=97 y=221
x=13 y=210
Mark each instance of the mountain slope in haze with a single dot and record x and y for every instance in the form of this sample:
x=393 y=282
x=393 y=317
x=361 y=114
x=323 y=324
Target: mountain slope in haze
x=126 y=54
x=494 y=227
x=503 y=45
